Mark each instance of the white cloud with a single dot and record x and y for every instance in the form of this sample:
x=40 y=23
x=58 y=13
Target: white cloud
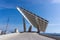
x=54 y=24
x=8 y=4
x=55 y=1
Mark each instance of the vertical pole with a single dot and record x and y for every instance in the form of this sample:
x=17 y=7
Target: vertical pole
x=24 y=24
x=7 y=25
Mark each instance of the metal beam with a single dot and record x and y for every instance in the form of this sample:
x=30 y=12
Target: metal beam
x=24 y=24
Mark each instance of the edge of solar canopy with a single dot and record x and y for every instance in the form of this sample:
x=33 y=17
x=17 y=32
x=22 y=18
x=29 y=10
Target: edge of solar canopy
x=34 y=14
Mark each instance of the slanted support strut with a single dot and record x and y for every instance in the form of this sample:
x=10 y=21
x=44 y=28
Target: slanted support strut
x=38 y=30
x=38 y=25
x=30 y=28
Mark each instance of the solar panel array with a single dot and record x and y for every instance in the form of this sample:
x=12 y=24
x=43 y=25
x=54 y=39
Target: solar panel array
x=35 y=20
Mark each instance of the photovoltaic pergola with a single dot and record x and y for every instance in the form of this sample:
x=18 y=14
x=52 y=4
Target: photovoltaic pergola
x=34 y=20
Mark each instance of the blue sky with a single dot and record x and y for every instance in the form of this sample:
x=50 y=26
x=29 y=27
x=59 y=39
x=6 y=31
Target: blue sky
x=48 y=9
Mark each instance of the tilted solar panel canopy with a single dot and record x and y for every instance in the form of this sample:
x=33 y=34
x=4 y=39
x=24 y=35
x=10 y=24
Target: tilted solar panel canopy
x=33 y=19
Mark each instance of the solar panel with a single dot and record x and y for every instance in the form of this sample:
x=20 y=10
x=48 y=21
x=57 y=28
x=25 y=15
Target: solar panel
x=33 y=19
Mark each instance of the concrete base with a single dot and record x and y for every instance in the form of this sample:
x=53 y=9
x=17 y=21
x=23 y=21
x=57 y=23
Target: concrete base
x=24 y=36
